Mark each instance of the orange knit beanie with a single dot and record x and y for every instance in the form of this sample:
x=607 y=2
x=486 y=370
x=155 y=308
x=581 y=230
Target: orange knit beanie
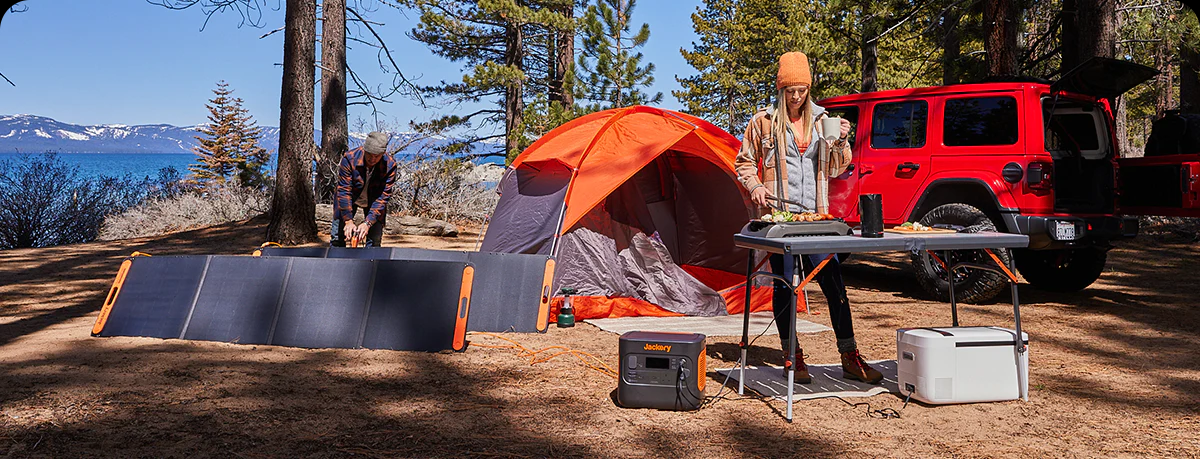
x=793 y=70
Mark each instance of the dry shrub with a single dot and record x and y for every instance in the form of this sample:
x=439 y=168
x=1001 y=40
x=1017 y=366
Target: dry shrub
x=184 y=212
x=453 y=190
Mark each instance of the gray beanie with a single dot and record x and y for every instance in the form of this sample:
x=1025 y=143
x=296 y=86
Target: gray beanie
x=376 y=143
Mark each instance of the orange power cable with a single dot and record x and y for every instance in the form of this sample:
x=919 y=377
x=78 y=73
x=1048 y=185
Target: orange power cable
x=534 y=358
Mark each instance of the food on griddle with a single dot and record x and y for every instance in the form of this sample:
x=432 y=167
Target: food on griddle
x=784 y=216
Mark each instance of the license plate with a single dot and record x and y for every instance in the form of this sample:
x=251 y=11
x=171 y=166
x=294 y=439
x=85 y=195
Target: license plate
x=1064 y=231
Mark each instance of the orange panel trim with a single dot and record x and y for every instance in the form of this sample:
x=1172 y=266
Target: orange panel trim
x=463 y=310
x=112 y=297
x=544 y=307
x=702 y=373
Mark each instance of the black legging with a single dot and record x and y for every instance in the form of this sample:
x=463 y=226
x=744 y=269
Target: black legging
x=830 y=279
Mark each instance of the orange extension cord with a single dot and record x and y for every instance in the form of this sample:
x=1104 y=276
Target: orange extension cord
x=535 y=357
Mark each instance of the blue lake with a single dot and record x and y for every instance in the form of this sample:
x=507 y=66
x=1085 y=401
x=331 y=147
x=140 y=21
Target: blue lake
x=118 y=164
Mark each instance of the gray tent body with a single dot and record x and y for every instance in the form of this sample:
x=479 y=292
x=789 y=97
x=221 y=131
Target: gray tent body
x=678 y=210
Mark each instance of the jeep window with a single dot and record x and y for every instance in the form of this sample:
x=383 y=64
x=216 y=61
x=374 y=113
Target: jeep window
x=1076 y=130
x=980 y=121
x=899 y=125
x=849 y=114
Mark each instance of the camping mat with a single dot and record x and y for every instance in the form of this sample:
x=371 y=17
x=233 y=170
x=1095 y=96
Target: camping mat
x=730 y=325
x=299 y=302
x=511 y=290
x=827 y=381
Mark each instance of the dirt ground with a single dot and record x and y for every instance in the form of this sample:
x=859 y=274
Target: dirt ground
x=1115 y=372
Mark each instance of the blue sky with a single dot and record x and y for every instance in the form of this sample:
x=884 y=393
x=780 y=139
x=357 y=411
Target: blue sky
x=131 y=62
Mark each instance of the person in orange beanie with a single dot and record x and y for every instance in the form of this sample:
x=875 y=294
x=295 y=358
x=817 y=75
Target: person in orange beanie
x=800 y=175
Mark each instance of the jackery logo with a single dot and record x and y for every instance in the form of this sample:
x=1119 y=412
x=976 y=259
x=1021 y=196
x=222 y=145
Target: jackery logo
x=657 y=347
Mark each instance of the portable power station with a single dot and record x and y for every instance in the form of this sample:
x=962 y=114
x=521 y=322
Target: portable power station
x=661 y=370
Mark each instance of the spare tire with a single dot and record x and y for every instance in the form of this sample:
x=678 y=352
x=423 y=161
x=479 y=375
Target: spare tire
x=970 y=285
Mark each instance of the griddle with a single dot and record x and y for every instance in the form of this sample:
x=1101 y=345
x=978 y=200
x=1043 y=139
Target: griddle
x=759 y=228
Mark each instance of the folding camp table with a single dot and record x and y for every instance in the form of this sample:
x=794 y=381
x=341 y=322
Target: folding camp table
x=792 y=247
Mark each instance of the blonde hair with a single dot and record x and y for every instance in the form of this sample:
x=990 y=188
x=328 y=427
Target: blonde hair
x=781 y=122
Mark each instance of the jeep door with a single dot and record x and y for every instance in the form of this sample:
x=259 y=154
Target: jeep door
x=1160 y=185
x=843 y=189
x=895 y=154
x=1166 y=181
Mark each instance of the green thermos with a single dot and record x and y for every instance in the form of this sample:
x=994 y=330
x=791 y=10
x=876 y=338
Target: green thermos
x=566 y=314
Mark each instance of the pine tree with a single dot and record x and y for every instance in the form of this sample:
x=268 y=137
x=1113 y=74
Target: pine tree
x=253 y=169
x=719 y=92
x=229 y=146
x=216 y=154
x=610 y=71
x=492 y=39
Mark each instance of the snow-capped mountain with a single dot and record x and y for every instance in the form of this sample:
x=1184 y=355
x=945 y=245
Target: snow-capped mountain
x=35 y=134
x=32 y=133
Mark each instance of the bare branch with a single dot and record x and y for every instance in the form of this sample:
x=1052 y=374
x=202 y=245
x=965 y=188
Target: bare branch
x=1138 y=7
x=903 y=20
x=384 y=51
x=265 y=35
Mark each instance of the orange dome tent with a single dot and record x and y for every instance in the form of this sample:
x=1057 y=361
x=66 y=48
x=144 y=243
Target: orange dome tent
x=639 y=205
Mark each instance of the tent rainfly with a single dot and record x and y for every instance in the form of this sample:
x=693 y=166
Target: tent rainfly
x=639 y=206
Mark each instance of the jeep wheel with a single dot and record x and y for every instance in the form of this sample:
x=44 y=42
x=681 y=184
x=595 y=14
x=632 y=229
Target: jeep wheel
x=1066 y=270
x=970 y=285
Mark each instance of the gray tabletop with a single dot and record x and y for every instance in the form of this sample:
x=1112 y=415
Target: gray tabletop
x=890 y=242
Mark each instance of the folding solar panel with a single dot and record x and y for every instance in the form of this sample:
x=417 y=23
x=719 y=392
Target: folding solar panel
x=291 y=301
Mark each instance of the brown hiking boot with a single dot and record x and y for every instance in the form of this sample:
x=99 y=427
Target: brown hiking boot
x=802 y=376
x=853 y=367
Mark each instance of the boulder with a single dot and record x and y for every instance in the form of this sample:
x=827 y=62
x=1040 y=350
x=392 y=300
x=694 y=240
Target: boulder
x=420 y=226
x=397 y=224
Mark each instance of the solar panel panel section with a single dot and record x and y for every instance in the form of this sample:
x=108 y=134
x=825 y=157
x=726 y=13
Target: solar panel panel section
x=409 y=309
x=238 y=300
x=156 y=297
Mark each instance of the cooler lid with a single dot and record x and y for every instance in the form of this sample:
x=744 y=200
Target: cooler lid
x=968 y=334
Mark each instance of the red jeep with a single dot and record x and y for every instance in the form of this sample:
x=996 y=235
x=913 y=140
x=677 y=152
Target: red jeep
x=986 y=157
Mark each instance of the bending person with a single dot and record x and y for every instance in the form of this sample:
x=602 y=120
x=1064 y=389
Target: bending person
x=366 y=177
x=793 y=126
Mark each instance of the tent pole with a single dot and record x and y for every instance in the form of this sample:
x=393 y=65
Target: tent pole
x=562 y=214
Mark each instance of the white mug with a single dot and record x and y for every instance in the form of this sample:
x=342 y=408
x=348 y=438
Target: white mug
x=831 y=128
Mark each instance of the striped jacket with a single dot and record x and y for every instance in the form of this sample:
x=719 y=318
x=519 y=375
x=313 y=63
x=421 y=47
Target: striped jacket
x=759 y=144
x=351 y=180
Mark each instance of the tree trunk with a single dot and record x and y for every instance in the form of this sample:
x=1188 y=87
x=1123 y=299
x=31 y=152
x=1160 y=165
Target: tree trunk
x=293 y=211
x=870 y=51
x=951 y=48
x=1000 y=19
x=1088 y=30
x=1189 y=80
x=564 y=56
x=334 y=135
x=1164 y=80
x=514 y=103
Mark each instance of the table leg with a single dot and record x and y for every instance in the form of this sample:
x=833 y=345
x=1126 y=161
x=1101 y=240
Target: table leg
x=950 y=279
x=789 y=266
x=1022 y=355
x=746 y=321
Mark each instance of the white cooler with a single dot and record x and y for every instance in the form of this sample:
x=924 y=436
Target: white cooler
x=961 y=364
